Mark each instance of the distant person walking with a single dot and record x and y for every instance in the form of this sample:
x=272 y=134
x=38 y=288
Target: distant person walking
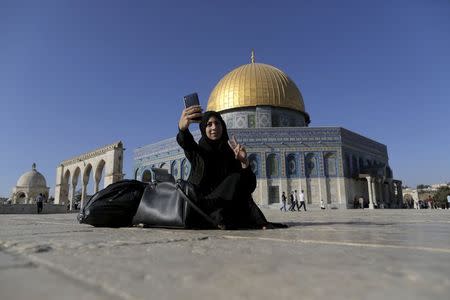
x=302 y=201
x=283 y=202
x=291 y=199
x=322 y=205
x=430 y=202
x=39 y=203
x=296 y=200
x=355 y=202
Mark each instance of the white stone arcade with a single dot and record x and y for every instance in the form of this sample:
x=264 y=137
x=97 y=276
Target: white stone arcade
x=106 y=163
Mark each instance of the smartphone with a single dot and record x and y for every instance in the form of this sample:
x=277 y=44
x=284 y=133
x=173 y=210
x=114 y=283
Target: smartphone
x=191 y=100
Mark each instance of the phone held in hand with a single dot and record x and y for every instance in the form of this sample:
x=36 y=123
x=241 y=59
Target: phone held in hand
x=191 y=100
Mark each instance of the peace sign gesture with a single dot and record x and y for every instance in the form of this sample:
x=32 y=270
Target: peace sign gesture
x=239 y=152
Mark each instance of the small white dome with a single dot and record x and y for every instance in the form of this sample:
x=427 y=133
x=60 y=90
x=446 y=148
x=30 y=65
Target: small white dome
x=32 y=179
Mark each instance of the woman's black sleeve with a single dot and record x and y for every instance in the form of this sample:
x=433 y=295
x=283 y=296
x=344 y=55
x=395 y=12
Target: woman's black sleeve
x=187 y=142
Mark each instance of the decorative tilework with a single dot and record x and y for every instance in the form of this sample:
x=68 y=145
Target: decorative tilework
x=291 y=140
x=263 y=120
x=241 y=122
x=330 y=164
x=273 y=165
x=311 y=165
x=174 y=169
x=254 y=163
x=292 y=165
x=251 y=121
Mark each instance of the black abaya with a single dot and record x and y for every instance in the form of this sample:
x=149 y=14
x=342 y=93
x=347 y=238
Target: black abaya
x=222 y=186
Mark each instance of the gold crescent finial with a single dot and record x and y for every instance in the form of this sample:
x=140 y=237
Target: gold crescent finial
x=253 y=56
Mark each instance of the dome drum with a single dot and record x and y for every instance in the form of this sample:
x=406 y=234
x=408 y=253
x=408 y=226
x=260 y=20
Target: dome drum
x=264 y=116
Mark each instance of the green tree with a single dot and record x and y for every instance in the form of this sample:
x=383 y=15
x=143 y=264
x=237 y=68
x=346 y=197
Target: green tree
x=440 y=198
x=423 y=186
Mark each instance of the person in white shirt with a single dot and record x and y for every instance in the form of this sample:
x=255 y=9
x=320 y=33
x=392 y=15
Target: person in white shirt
x=302 y=201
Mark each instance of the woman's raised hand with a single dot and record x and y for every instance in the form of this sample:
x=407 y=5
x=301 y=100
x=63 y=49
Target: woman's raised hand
x=241 y=154
x=191 y=114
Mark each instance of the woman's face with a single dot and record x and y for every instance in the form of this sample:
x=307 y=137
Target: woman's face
x=213 y=129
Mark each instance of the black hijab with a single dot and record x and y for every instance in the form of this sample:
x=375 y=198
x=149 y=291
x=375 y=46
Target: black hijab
x=220 y=145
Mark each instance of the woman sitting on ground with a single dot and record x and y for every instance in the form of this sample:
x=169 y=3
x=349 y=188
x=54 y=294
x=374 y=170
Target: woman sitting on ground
x=220 y=174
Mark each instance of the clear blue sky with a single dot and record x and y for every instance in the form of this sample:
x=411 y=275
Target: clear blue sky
x=77 y=75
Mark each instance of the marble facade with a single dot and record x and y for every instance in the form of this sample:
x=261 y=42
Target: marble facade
x=328 y=163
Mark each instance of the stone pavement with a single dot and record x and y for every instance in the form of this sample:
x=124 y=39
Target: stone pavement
x=332 y=254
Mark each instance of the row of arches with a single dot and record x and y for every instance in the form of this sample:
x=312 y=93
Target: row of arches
x=354 y=165
x=29 y=197
x=180 y=169
x=310 y=164
x=80 y=182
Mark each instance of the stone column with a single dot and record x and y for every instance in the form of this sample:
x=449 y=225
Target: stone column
x=83 y=195
x=59 y=197
x=72 y=195
x=96 y=187
x=369 y=184
x=342 y=193
x=380 y=193
x=374 y=192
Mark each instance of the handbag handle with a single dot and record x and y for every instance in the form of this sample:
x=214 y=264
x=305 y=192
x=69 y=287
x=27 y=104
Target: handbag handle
x=197 y=209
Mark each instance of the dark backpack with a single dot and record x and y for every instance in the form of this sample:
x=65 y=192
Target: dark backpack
x=114 y=206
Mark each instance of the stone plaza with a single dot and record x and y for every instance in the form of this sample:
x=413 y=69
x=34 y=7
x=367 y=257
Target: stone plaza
x=330 y=254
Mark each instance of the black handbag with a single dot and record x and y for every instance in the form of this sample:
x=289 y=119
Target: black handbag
x=172 y=205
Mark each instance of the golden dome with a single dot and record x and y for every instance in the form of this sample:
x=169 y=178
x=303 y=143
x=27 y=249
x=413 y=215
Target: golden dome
x=255 y=84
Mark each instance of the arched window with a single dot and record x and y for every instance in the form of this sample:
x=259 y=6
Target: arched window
x=330 y=164
x=310 y=165
x=146 y=176
x=272 y=166
x=100 y=174
x=21 y=198
x=185 y=169
x=174 y=169
x=291 y=166
x=253 y=160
